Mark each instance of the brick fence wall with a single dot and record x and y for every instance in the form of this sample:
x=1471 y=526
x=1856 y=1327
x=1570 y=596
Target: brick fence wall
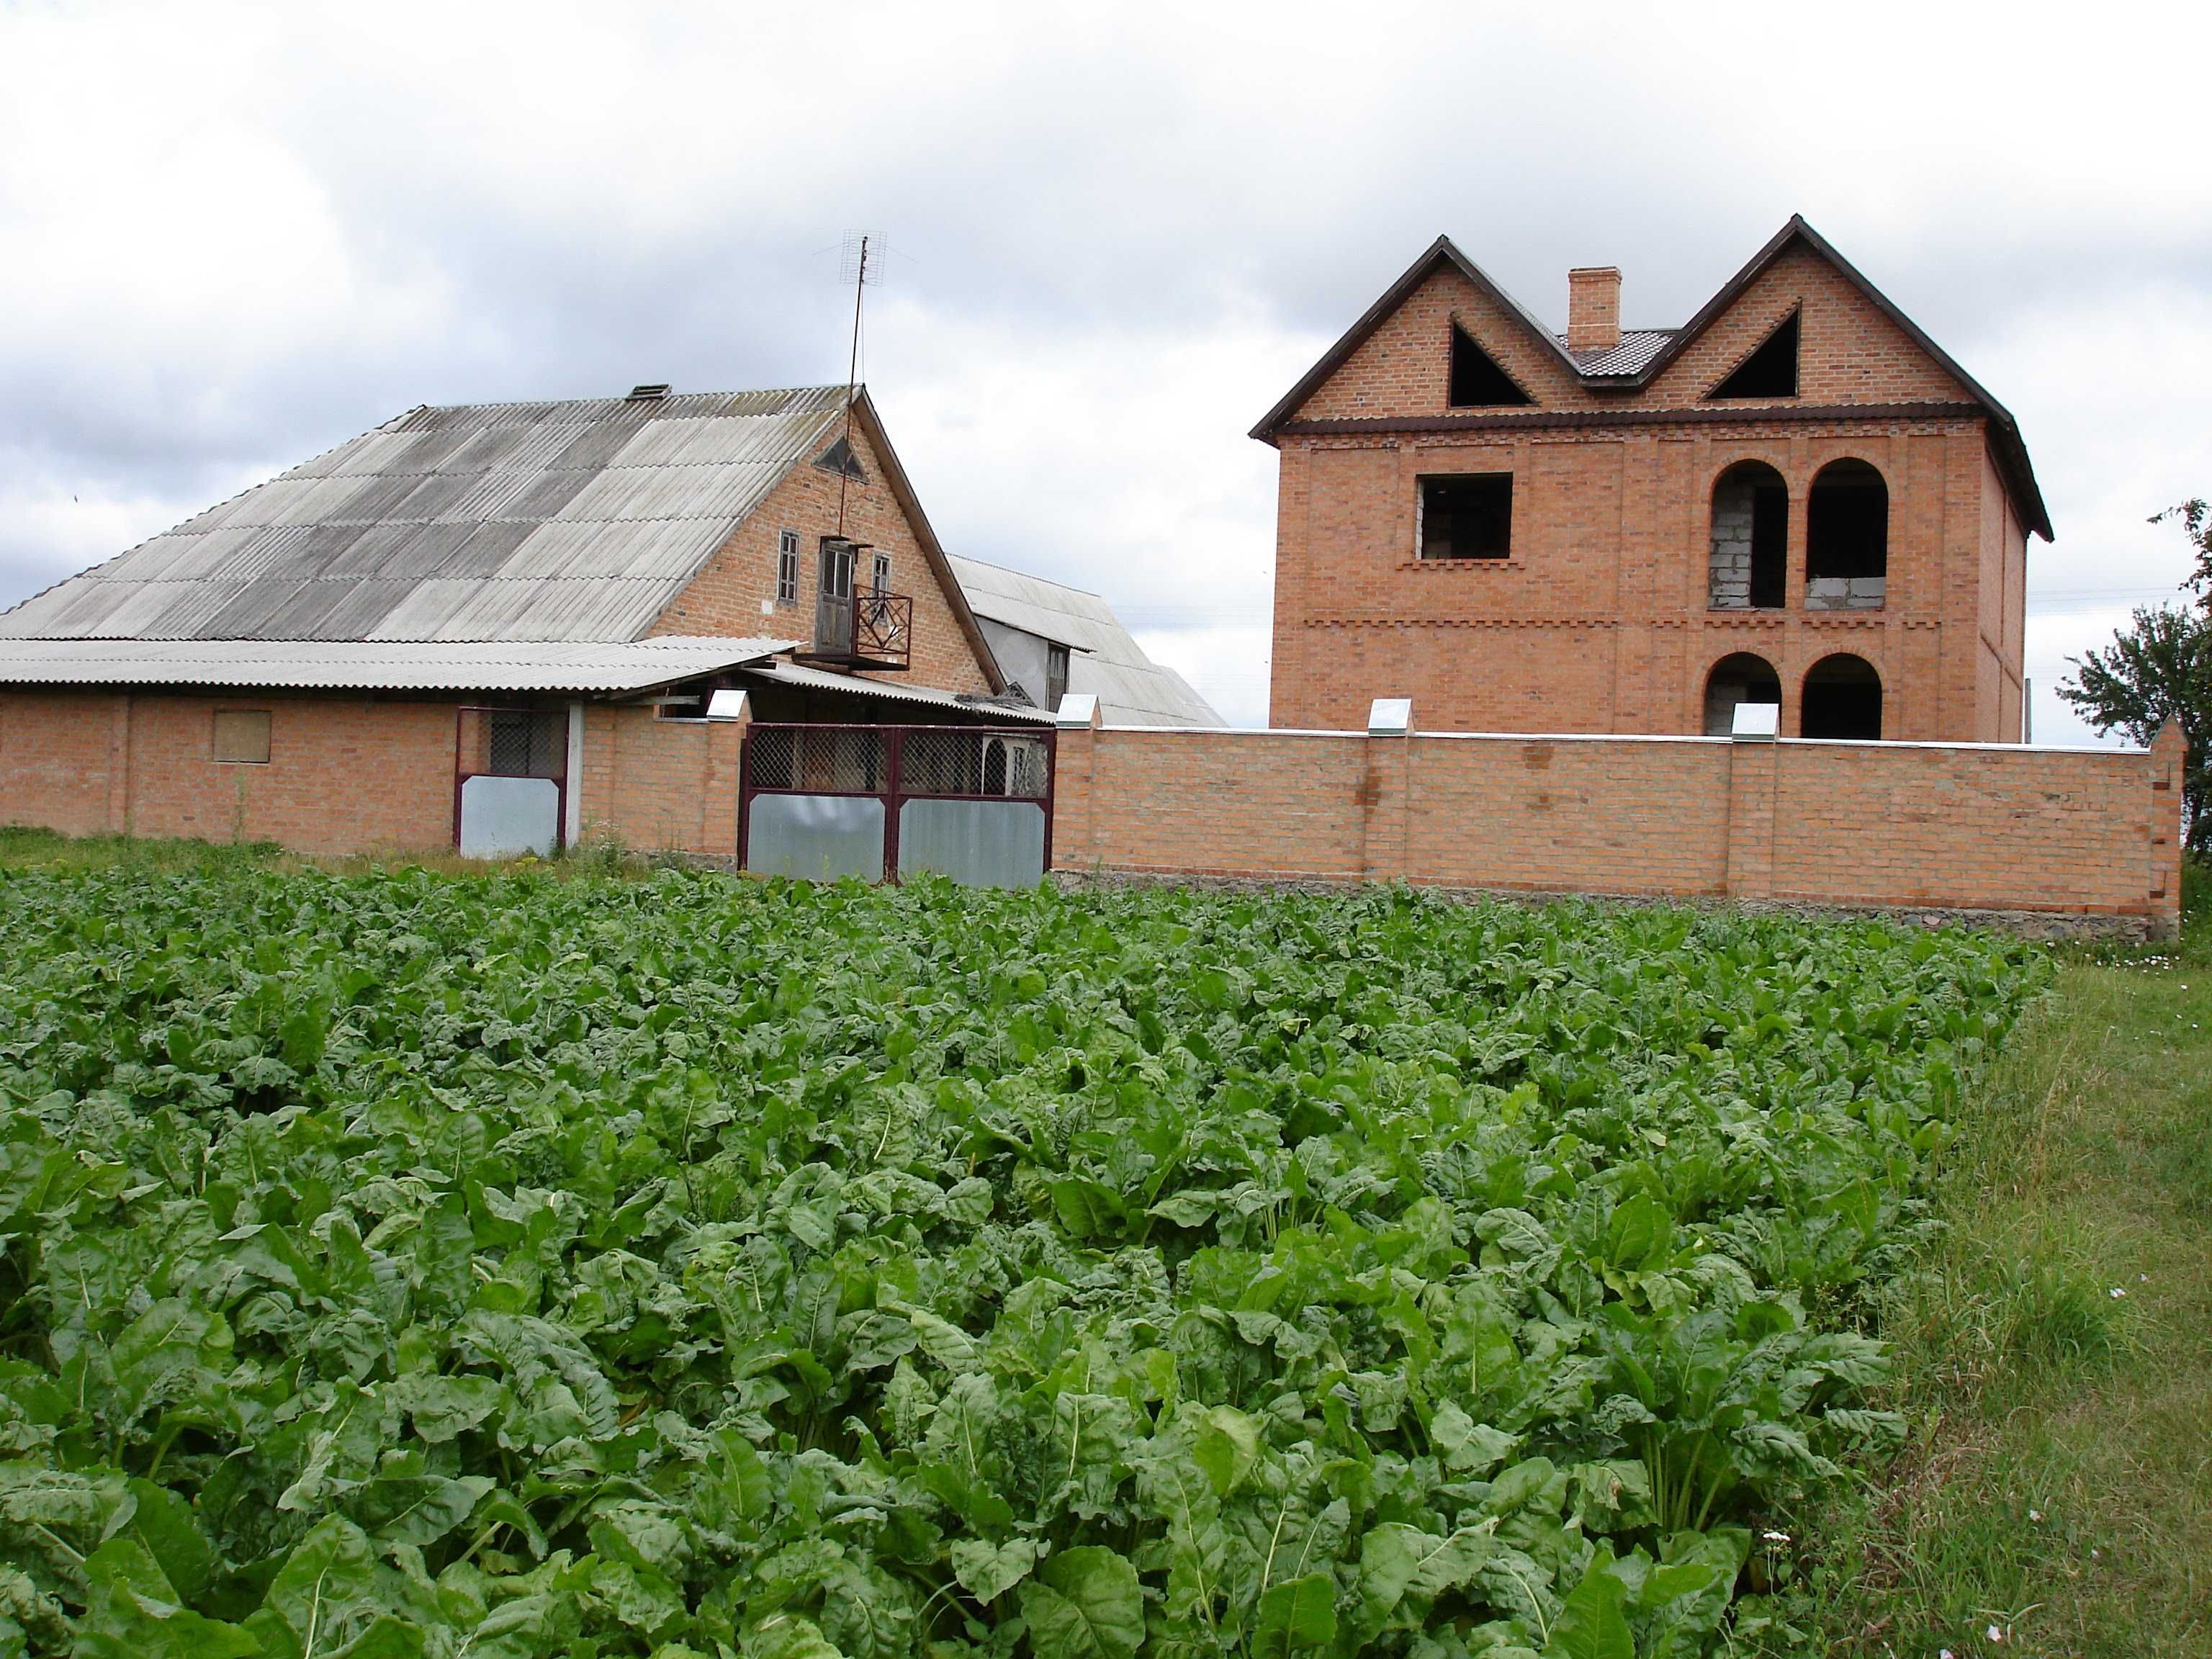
x=1920 y=826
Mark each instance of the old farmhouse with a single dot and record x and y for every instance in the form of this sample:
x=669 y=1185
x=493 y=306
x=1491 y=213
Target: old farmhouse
x=503 y=626
x=1796 y=497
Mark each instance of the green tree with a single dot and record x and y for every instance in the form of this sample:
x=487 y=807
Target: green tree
x=2158 y=669
x=2195 y=518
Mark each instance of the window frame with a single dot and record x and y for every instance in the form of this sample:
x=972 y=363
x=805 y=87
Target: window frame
x=787 y=567
x=880 y=572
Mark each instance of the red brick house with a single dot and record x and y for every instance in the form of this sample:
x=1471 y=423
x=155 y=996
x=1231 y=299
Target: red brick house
x=496 y=625
x=1796 y=496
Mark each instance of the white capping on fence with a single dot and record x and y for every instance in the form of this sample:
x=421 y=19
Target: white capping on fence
x=726 y=705
x=1757 y=722
x=1076 y=709
x=1390 y=717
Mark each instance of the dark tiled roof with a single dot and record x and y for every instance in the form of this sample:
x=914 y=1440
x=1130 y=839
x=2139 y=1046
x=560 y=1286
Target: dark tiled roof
x=1638 y=347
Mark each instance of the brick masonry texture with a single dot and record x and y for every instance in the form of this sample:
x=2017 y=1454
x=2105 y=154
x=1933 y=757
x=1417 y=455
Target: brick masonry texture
x=1601 y=620
x=1874 y=825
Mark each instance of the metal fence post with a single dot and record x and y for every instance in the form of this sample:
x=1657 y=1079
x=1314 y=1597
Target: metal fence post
x=891 y=779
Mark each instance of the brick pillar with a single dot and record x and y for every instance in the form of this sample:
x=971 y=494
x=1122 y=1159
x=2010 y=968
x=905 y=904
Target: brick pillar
x=119 y=768
x=723 y=772
x=1386 y=791
x=2168 y=754
x=1075 y=757
x=1754 y=778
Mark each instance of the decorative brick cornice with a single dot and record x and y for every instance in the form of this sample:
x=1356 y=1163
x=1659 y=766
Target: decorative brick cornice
x=1572 y=419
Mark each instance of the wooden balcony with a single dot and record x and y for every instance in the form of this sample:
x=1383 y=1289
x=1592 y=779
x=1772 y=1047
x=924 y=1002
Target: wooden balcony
x=862 y=630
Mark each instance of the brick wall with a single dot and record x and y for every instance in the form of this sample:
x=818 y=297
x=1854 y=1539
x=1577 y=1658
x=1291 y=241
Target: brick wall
x=659 y=784
x=343 y=776
x=1923 y=826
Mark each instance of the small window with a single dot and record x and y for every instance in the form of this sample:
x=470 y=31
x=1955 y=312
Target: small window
x=1477 y=381
x=786 y=567
x=1769 y=372
x=1467 y=516
x=241 y=736
x=883 y=572
x=1055 y=675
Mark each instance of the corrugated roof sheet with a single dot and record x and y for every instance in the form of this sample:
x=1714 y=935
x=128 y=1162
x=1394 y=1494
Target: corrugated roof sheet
x=1131 y=687
x=820 y=679
x=577 y=521
x=1638 y=347
x=354 y=664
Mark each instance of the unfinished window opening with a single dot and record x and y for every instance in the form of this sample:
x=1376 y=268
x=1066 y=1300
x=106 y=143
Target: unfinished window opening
x=1467 y=516
x=786 y=567
x=1771 y=371
x=1847 y=538
x=1741 y=676
x=1843 y=699
x=1749 y=568
x=839 y=458
x=241 y=737
x=1477 y=381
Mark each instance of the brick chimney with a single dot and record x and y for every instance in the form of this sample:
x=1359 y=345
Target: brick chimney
x=1594 y=308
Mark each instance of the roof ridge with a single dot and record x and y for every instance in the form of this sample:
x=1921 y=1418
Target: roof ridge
x=1031 y=575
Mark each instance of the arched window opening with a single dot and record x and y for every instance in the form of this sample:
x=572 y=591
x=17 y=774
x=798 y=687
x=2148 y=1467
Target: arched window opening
x=1477 y=381
x=1847 y=538
x=1750 y=567
x=1843 y=699
x=1743 y=676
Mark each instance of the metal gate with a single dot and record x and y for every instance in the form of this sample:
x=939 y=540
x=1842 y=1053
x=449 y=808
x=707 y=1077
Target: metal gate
x=510 y=781
x=883 y=802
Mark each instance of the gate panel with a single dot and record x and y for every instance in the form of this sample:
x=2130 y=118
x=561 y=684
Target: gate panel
x=819 y=837
x=979 y=843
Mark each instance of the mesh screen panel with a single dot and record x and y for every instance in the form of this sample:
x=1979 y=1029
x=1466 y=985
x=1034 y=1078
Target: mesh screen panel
x=834 y=760
x=948 y=762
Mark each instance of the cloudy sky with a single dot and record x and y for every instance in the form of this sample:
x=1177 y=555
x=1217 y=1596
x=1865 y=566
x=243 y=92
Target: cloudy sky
x=230 y=238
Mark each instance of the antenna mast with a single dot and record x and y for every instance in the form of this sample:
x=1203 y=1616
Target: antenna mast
x=856 y=259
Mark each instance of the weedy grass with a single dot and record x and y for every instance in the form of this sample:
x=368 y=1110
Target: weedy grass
x=2054 y=1350
x=540 y=1263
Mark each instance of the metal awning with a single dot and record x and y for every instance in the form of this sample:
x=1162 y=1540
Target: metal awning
x=376 y=665
x=818 y=679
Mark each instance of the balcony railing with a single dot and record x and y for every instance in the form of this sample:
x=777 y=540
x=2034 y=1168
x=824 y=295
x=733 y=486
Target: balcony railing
x=862 y=630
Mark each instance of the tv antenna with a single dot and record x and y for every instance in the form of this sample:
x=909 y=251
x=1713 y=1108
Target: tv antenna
x=856 y=267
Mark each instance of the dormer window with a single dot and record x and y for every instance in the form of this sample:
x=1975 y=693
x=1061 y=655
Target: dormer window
x=1477 y=381
x=1771 y=371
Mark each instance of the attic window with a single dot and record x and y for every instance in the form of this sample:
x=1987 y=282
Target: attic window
x=1769 y=372
x=839 y=458
x=1477 y=381
x=648 y=394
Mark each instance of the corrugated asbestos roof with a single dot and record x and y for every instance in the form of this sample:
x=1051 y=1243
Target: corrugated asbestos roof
x=1131 y=687
x=339 y=664
x=577 y=521
x=818 y=679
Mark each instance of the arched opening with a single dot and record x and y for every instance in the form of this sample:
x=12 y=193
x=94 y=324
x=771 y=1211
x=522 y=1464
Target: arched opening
x=1750 y=560
x=1846 y=538
x=1743 y=676
x=1843 y=699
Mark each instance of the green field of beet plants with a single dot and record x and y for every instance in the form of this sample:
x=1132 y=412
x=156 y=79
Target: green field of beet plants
x=401 y=1263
